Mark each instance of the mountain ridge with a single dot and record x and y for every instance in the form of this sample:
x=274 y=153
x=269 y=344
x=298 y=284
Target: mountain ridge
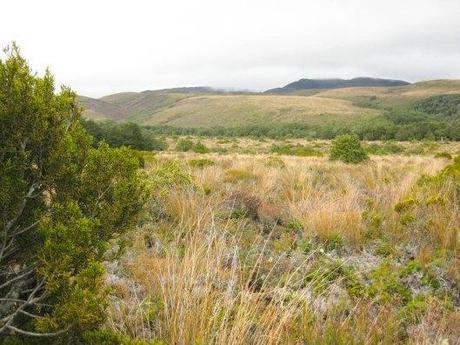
x=336 y=83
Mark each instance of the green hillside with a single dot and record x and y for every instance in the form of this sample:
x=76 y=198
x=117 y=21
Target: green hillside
x=201 y=107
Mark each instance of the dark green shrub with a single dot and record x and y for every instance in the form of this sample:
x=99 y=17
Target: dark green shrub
x=348 y=149
x=184 y=145
x=200 y=148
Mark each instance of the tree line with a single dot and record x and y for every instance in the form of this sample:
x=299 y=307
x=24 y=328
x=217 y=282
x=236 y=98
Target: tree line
x=415 y=122
x=122 y=134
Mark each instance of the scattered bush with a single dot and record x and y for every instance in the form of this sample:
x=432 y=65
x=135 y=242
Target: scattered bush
x=348 y=149
x=275 y=162
x=184 y=145
x=170 y=174
x=386 y=148
x=200 y=148
x=201 y=163
x=219 y=150
x=295 y=150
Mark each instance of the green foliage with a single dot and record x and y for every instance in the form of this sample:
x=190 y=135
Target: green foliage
x=405 y=205
x=442 y=105
x=387 y=148
x=407 y=218
x=348 y=149
x=411 y=122
x=385 y=249
x=170 y=174
x=386 y=285
x=295 y=150
x=327 y=271
x=218 y=149
x=200 y=148
x=446 y=155
x=124 y=134
x=333 y=242
x=184 y=145
x=201 y=163
x=62 y=200
x=105 y=337
x=414 y=310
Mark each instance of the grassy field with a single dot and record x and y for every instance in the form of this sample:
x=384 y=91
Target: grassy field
x=261 y=248
x=234 y=110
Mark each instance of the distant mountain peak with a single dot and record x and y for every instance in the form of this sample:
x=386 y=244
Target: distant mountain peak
x=336 y=83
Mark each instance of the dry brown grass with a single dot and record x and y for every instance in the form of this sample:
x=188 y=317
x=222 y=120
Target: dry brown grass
x=224 y=262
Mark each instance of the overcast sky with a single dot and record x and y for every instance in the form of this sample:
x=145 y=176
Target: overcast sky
x=102 y=47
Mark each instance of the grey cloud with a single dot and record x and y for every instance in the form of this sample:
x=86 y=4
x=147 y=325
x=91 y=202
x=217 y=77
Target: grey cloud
x=109 y=46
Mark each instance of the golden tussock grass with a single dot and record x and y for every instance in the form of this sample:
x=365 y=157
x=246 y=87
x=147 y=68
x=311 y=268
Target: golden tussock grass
x=250 y=253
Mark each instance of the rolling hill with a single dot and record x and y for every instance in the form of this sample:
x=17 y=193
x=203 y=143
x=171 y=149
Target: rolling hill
x=318 y=84
x=205 y=107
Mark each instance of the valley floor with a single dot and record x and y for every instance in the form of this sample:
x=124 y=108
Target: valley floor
x=246 y=246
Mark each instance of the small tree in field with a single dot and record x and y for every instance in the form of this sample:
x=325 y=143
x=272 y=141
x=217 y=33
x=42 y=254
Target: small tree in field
x=61 y=201
x=348 y=149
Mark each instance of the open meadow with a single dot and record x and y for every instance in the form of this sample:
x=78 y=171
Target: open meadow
x=267 y=248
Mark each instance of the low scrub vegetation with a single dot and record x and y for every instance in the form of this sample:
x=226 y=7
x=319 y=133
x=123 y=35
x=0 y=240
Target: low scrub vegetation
x=295 y=150
x=295 y=250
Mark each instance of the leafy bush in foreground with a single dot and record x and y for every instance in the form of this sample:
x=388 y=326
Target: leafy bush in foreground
x=348 y=149
x=61 y=201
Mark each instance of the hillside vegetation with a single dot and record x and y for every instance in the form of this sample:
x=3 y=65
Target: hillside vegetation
x=314 y=110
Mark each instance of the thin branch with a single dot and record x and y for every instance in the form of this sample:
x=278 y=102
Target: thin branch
x=29 y=195
x=30 y=300
x=16 y=233
x=34 y=334
x=30 y=314
x=25 y=274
